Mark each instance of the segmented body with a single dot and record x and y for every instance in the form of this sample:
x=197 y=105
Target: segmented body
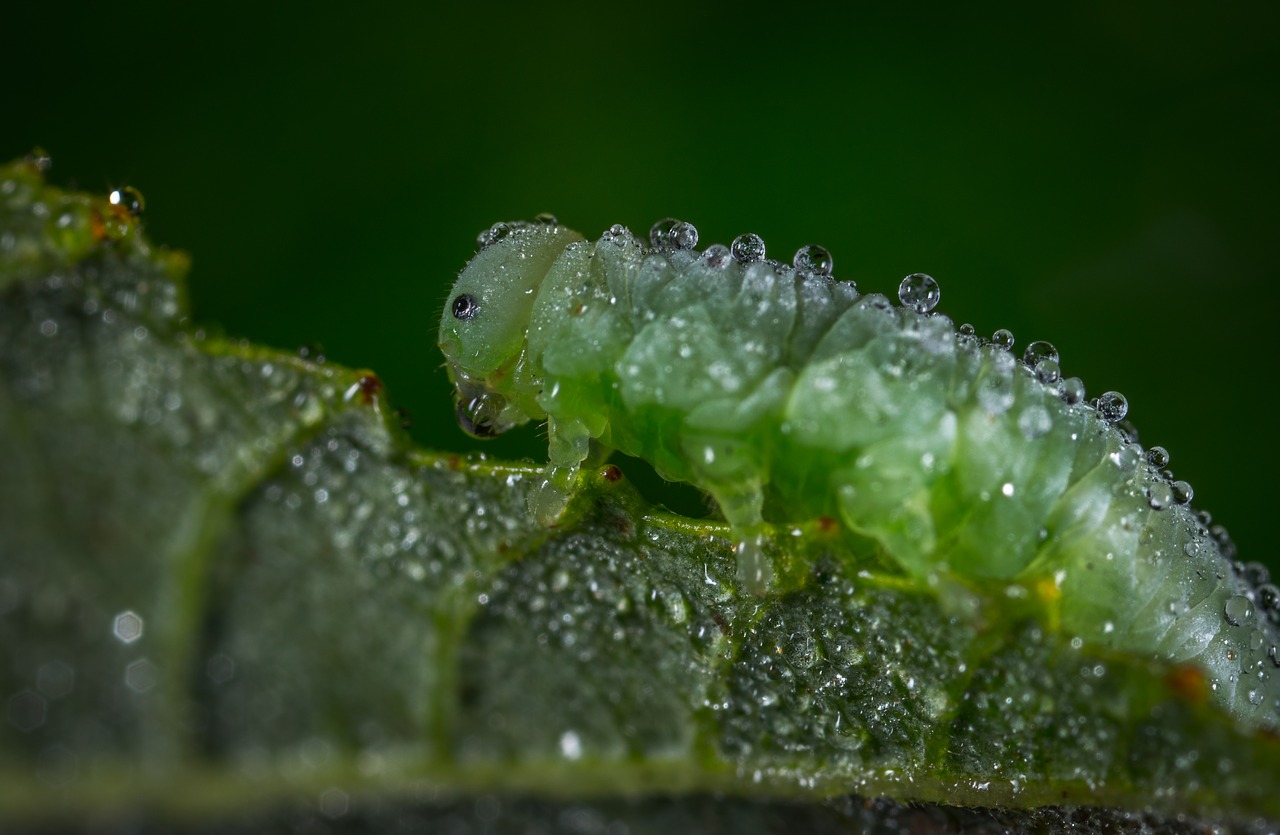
x=788 y=396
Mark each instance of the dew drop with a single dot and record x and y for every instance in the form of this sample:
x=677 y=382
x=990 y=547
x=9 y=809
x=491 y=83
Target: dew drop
x=747 y=248
x=1113 y=406
x=1269 y=596
x=493 y=234
x=1002 y=339
x=717 y=256
x=1048 y=371
x=967 y=330
x=1038 y=351
x=546 y=218
x=1071 y=390
x=660 y=234
x=1238 y=610
x=1182 y=492
x=618 y=235
x=813 y=260
x=920 y=293
x=802 y=651
x=683 y=235
x=129 y=198
x=1159 y=496
x=1158 y=457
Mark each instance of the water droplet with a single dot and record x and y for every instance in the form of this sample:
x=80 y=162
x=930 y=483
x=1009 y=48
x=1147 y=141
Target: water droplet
x=1040 y=350
x=1158 y=457
x=1112 y=406
x=479 y=416
x=546 y=218
x=618 y=235
x=494 y=233
x=1002 y=339
x=1048 y=371
x=717 y=256
x=813 y=260
x=747 y=248
x=1238 y=610
x=802 y=651
x=1182 y=492
x=683 y=236
x=920 y=293
x=1269 y=596
x=1072 y=390
x=1159 y=496
x=129 y=198
x=967 y=330
x=660 y=234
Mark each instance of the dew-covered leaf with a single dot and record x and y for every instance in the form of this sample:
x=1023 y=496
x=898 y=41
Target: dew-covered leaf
x=234 y=597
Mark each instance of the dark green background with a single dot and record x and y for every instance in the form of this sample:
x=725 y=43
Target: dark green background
x=1105 y=180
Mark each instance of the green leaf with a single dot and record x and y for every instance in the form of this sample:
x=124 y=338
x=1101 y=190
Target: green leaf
x=232 y=591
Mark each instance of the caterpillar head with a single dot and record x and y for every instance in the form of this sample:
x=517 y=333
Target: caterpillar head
x=486 y=319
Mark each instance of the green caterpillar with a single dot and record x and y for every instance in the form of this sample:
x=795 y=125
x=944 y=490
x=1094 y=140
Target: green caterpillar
x=788 y=396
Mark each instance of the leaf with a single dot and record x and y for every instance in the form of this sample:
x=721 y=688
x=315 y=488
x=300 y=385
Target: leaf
x=231 y=591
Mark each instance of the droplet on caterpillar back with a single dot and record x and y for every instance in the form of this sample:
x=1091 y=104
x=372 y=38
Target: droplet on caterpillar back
x=920 y=292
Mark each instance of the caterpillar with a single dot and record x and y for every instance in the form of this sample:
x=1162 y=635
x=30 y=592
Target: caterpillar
x=788 y=396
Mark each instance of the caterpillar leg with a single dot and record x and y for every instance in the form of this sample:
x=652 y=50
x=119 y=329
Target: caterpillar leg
x=569 y=446
x=742 y=504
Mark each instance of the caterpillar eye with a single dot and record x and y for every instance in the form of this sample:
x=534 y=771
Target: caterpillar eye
x=465 y=307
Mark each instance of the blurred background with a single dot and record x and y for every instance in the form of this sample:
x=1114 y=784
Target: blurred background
x=1104 y=179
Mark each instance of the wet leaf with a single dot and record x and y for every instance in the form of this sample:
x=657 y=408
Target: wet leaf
x=233 y=596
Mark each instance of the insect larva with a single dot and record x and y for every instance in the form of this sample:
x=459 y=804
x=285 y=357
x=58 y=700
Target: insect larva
x=787 y=396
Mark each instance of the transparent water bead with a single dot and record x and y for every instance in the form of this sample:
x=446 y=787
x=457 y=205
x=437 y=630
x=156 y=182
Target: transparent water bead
x=1113 y=406
x=1048 y=371
x=129 y=198
x=1238 y=610
x=1002 y=339
x=670 y=234
x=813 y=260
x=1182 y=492
x=493 y=234
x=717 y=256
x=747 y=248
x=1039 y=351
x=683 y=236
x=1269 y=597
x=919 y=292
x=1071 y=390
x=1159 y=496
x=1158 y=457
x=618 y=235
